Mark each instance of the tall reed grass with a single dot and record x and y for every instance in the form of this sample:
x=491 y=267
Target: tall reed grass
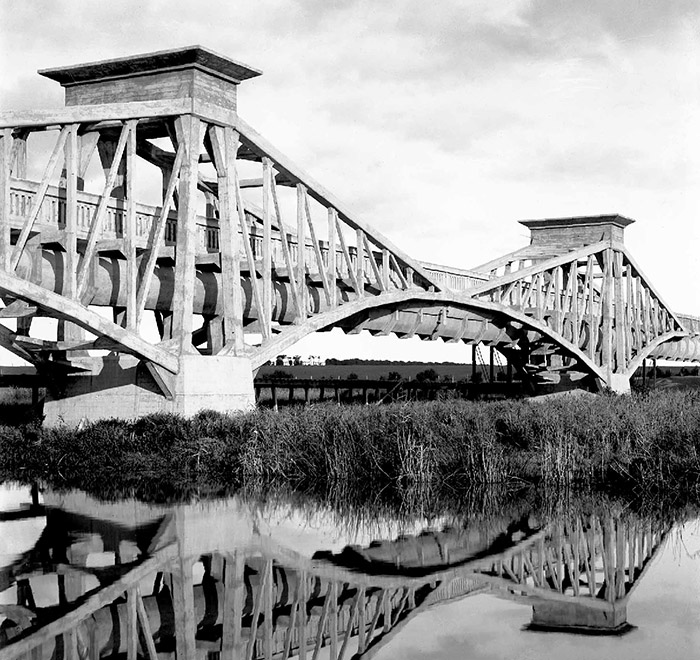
x=641 y=443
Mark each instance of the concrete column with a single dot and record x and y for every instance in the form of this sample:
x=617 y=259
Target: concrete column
x=189 y=135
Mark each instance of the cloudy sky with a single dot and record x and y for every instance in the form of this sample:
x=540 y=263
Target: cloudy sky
x=442 y=123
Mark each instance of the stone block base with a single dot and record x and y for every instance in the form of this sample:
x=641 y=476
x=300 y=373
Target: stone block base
x=124 y=388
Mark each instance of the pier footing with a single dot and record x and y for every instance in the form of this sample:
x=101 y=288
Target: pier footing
x=619 y=383
x=124 y=388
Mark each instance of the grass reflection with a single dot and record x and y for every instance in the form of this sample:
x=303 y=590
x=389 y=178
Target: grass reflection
x=640 y=448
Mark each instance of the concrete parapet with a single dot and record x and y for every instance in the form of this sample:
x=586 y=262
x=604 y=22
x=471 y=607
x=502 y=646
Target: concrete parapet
x=123 y=388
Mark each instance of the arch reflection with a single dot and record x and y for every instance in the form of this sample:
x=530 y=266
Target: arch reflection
x=230 y=579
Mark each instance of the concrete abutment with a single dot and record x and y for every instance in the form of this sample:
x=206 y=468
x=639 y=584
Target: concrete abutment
x=122 y=387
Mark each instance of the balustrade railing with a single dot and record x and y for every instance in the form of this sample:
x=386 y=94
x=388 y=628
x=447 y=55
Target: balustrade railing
x=690 y=323
x=52 y=216
x=456 y=280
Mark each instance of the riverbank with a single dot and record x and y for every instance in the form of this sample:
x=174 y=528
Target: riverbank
x=643 y=443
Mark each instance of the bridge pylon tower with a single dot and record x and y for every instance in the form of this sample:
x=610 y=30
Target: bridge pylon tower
x=67 y=253
x=579 y=280
x=202 y=263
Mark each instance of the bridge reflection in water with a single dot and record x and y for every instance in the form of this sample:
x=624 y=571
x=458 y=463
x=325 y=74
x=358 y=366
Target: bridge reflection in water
x=226 y=579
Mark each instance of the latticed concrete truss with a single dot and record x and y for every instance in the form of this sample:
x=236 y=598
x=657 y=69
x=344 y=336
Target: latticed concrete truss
x=241 y=253
x=113 y=251
x=596 y=561
x=603 y=310
x=171 y=595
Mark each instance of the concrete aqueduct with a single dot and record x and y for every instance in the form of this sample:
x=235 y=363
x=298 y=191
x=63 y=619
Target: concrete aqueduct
x=241 y=241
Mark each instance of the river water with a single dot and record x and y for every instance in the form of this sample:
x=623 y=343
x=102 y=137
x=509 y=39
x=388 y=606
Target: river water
x=242 y=578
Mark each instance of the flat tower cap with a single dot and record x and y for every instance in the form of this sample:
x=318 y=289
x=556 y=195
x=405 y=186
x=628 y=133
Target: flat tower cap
x=576 y=231
x=579 y=221
x=163 y=60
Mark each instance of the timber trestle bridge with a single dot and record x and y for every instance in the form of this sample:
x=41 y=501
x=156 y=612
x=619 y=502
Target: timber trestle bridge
x=175 y=251
x=223 y=580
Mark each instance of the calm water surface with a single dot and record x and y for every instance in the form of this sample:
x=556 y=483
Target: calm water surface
x=81 y=578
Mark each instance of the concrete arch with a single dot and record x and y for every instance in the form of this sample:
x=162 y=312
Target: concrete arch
x=328 y=319
x=648 y=350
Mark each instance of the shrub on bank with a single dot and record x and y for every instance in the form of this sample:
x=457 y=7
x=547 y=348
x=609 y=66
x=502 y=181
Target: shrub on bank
x=641 y=442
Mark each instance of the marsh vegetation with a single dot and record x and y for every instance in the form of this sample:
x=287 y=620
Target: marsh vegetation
x=639 y=444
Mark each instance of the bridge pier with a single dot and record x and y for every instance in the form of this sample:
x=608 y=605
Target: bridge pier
x=122 y=387
x=619 y=383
